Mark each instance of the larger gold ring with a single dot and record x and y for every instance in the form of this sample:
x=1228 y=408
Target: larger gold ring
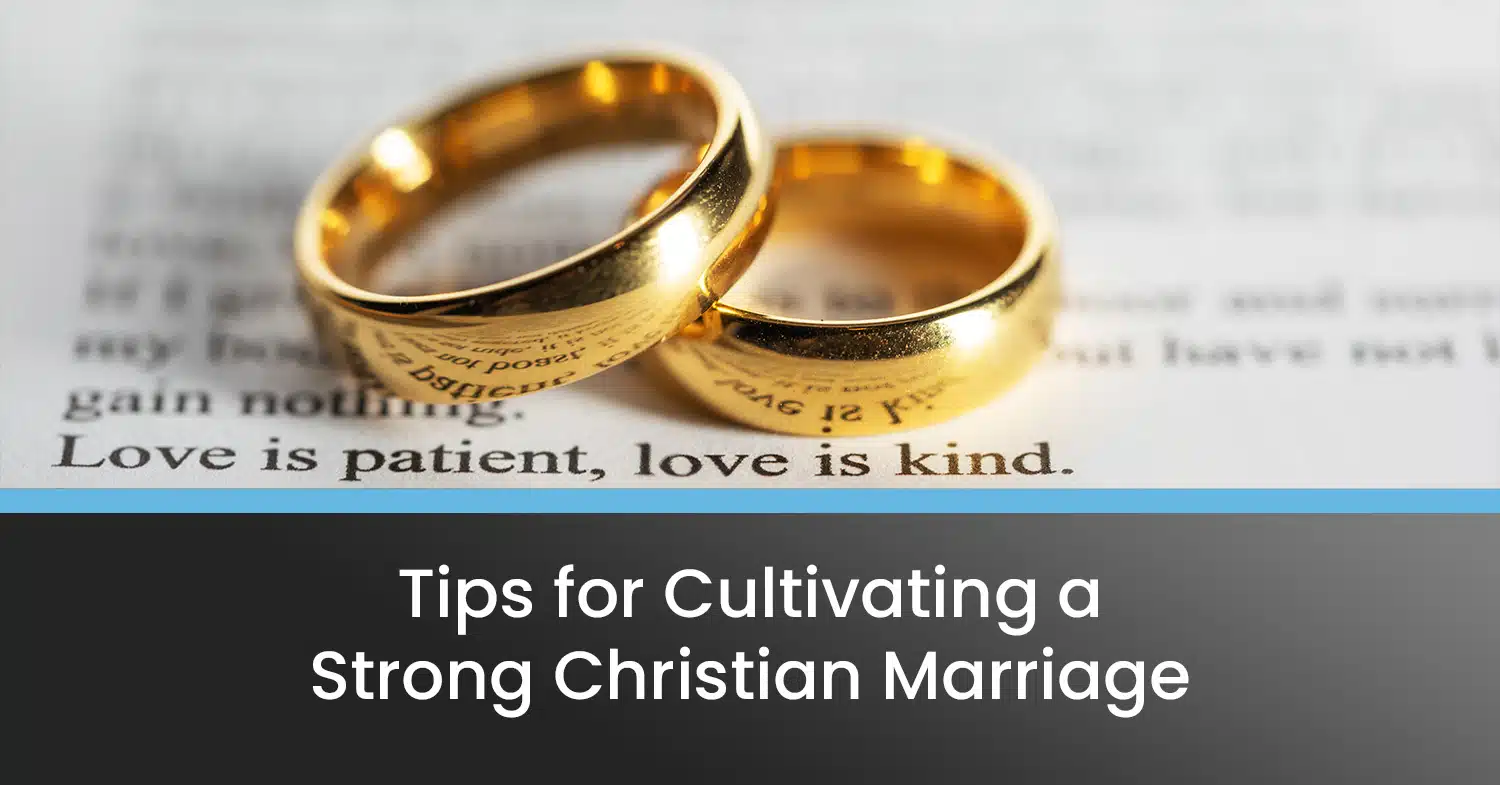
x=986 y=224
x=577 y=316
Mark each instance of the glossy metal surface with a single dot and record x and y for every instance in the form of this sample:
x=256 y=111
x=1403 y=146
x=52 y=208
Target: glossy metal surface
x=985 y=225
x=573 y=318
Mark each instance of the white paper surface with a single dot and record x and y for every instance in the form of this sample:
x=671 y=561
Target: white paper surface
x=1337 y=160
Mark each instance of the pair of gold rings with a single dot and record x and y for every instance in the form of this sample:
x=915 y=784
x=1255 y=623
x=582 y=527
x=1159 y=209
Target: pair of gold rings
x=659 y=281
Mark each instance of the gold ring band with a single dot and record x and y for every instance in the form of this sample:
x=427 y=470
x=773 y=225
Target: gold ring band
x=579 y=315
x=866 y=376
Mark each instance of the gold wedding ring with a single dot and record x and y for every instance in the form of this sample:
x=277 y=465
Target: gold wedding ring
x=580 y=315
x=984 y=227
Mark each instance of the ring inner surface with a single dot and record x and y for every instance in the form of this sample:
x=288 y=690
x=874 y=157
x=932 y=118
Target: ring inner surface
x=875 y=231
x=411 y=172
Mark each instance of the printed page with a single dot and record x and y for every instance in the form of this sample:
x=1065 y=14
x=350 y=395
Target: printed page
x=1280 y=226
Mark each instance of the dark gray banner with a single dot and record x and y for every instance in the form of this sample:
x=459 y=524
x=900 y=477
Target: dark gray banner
x=1185 y=649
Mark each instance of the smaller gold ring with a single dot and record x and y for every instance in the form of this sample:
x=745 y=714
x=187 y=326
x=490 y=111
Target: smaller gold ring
x=853 y=377
x=580 y=315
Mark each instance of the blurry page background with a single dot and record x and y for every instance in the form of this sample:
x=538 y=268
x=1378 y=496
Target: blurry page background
x=1280 y=226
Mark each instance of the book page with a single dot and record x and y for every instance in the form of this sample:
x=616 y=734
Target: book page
x=1280 y=225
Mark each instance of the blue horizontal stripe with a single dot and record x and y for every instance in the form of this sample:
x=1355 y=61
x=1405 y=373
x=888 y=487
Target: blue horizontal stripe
x=781 y=500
